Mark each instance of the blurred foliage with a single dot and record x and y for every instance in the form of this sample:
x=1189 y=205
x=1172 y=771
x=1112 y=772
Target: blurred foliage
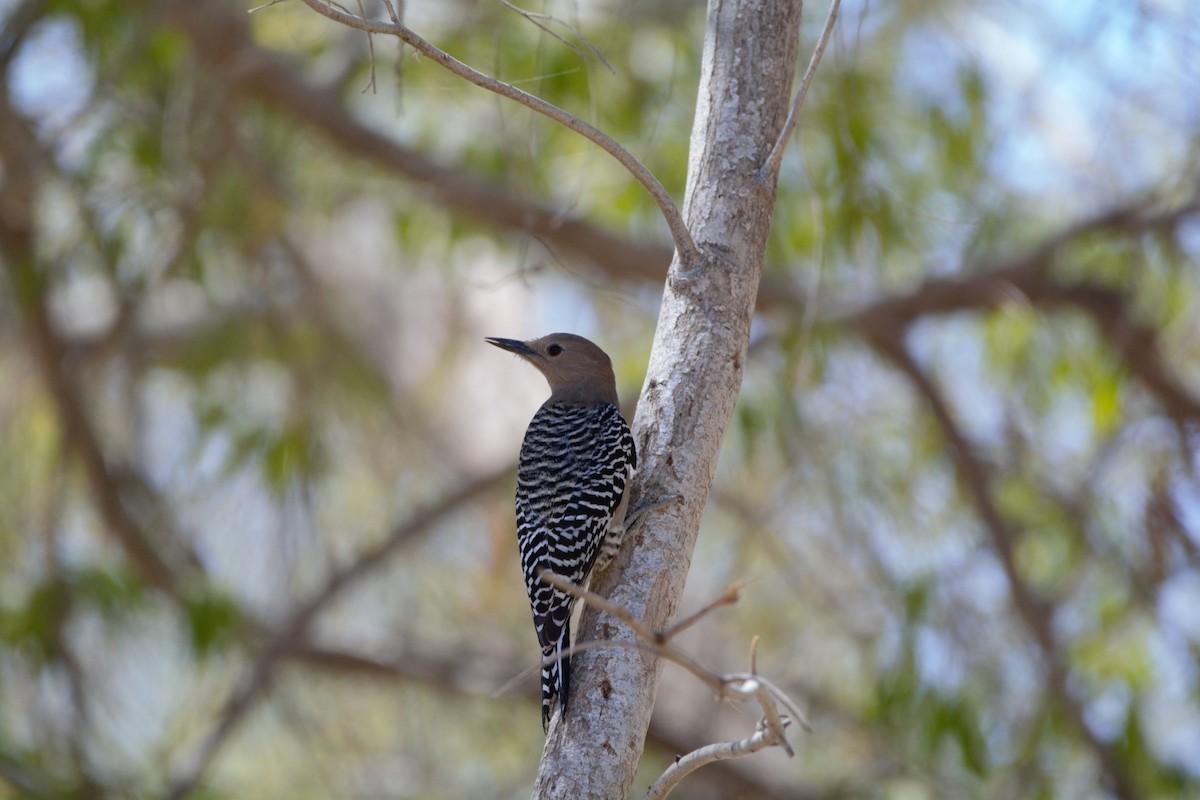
x=278 y=348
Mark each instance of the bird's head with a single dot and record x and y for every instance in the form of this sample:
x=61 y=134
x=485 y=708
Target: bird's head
x=577 y=370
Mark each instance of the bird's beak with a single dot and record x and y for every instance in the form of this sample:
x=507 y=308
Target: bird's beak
x=513 y=346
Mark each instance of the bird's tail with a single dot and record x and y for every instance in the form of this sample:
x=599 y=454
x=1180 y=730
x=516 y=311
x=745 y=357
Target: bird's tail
x=556 y=675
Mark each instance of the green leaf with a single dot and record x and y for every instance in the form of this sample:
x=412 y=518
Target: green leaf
x=214 y=620
x=1107 y=404
x=34 y=626
x=111 y=591
x=291 y=456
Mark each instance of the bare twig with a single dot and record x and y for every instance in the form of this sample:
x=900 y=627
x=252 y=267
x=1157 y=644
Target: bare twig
x=362 y=12
x=658 y=640
x=772 y=164
x=222 y=43
x=540 y=21
x=788 y=703
x=686 y=765
x=688 y=252
x=726 y=598
x=739 y=686
x=267 y=4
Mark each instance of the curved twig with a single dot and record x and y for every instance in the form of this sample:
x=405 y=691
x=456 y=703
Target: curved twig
x=761 y=739
x=689 y=254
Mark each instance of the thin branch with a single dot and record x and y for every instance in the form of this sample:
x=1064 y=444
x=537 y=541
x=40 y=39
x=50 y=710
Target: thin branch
x=688 y=252
x=785 y=699
x=739 y=686
x=726 y=598
x=537 y=20
x=686 y=765
x=772 y=164
x=267 y=4
x=371 y=53
x=222 y=43
x=604 y=604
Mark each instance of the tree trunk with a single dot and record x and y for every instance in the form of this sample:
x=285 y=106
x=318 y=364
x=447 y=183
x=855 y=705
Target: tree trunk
x=691 y=386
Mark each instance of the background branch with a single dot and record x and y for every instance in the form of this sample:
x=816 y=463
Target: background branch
x=1036 y=615
x=26 y=164
x=293 y=633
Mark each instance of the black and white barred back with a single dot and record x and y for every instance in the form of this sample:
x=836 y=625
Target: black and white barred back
x=575 y=464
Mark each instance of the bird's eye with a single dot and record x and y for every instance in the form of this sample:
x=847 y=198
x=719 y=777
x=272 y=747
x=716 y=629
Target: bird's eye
x=553 y=350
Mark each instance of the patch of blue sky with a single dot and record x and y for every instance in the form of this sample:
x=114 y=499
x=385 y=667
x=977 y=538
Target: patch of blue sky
x=1090 y=96
x=49 y=79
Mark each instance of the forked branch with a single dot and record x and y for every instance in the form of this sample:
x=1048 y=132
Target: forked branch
x=739 y=686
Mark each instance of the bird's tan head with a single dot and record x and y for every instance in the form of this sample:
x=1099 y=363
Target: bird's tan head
x=577 y=370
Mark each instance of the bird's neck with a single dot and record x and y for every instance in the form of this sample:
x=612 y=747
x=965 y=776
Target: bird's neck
x=583 y=395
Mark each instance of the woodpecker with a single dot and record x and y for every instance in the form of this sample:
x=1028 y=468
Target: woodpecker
x=572 y=479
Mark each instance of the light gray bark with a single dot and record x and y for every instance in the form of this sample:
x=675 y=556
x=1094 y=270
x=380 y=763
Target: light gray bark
x=691 y=386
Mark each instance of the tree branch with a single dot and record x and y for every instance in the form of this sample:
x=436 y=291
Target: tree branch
x=1135 y=343
x=1027 y=279
x=743 y=687
x=679 y=231
x=222 y=42
x=993 y=285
